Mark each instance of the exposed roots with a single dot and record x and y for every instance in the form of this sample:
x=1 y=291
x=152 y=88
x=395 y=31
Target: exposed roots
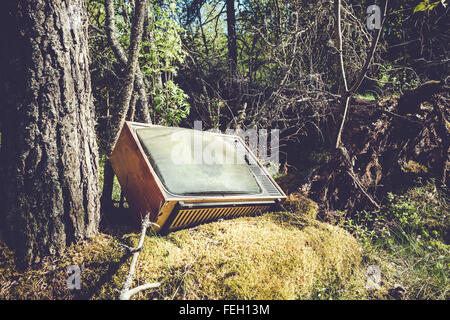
x=384 y=151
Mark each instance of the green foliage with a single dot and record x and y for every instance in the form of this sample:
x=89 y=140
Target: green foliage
x=366 y=96
x=391 y=78
x=408 y=239
x=164 y=52
x=170 y=103
x=160 y=57
x=421 y=212
x=427 y=5
x=411 y=49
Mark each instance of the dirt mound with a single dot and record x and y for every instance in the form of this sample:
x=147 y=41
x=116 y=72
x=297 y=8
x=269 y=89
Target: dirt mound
x=387 y=145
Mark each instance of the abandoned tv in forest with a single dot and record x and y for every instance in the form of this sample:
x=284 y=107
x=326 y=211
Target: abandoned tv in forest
x=186 y=177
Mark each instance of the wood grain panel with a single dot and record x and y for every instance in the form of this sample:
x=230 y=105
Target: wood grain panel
x=135 y=176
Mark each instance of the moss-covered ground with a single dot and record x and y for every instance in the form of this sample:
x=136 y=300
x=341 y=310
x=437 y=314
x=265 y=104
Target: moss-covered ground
x=274 y=256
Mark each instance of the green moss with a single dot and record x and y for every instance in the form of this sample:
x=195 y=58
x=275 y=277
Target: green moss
x=414 y=167
x=366 y=96
x=301 y=205
x=268 y=257
x=274 y=256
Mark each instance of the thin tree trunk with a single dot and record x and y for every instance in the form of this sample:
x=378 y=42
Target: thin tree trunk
x=343 y=86
x=132 y=74
x=231 y=28
x=49 y=172
x=142 y=108
x=108 y=184
x=340 y=45
x=373 y=47
x=205 y=42
x=349 y=92
x=233 y=85
x=118 y=119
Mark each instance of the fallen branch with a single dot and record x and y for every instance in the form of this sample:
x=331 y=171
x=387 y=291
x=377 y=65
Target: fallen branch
x=126 y=293
x=362 y=188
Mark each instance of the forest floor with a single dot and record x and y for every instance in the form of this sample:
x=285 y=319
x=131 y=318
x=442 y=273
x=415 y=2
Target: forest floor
x=387 y=254
x=273 y=256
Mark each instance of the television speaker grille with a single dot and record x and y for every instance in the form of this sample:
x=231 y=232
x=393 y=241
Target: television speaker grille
x=191 y=217
x=264 y=180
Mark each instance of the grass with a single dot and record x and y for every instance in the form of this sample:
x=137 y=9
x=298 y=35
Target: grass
x=366 y=96
x=408 y=239
x=273 y=256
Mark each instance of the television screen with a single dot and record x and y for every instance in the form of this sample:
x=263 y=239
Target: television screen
x=193 y=162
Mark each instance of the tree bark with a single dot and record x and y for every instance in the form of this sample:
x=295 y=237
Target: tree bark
x=231 y=28
x=108 y=184
x=137 y=29
x=132 y=75
x=142 y=108
x=49 y=173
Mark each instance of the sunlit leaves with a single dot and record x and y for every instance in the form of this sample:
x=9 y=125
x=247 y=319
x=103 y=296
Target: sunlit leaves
x=170 y=102
x=428 y=5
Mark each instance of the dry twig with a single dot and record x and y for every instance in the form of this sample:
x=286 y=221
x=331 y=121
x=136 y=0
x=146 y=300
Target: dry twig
x=126 y=293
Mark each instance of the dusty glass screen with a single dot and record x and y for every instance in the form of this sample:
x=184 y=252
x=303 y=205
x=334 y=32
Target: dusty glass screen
x=190 y=162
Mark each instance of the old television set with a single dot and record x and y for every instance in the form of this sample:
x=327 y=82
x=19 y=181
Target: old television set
x=185 y=177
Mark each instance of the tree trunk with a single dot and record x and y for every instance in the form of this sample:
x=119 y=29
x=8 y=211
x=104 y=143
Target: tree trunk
x=132 y=70
x=132 y=74
x=231 y=28
x=108 y=185
x=49 y=154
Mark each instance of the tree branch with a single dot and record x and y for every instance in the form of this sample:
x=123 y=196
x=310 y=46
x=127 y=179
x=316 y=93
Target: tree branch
x=339 y=40
x=348 y=93
x=126 y=293
x=373 y=47
x=346 y=96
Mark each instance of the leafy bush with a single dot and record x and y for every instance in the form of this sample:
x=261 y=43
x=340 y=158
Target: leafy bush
x=170 y=102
